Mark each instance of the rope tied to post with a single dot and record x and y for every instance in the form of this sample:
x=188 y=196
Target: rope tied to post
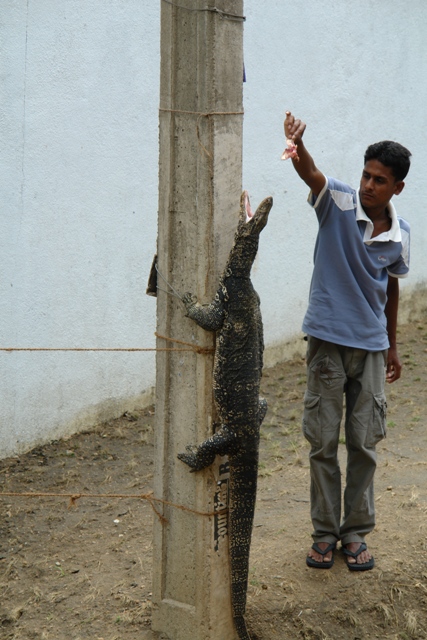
x=187 y=346
x=139 y=496
x=194 y=347
x=222 y=14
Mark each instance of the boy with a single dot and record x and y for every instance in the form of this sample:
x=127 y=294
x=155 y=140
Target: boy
x=361 y=251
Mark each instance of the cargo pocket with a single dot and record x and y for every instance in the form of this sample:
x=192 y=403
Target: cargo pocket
x=377 y=430
x=326 y=372
x=310 y=420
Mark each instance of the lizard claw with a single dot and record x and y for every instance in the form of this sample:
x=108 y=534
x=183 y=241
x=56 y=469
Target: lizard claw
x=189 y=300
x=189 y=459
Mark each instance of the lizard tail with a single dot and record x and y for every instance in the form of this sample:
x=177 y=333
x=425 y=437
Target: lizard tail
x=243 y=482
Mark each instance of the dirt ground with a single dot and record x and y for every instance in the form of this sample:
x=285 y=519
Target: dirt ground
x=85 y=572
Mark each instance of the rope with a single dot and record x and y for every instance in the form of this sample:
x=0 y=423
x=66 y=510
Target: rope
x=203 y=114
x=220 y=12
x=140 y=496
x=92 y=349
x=193 y=347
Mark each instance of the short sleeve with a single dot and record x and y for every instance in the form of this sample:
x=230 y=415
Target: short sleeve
x=400 y=268
x=336 y=196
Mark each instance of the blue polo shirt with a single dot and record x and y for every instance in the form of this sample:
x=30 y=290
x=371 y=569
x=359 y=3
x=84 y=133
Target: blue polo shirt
x=351 y=269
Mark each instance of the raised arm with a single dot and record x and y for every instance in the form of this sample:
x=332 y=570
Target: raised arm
x=304 y=165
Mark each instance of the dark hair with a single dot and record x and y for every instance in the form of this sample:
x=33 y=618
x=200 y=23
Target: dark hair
x=390 y=154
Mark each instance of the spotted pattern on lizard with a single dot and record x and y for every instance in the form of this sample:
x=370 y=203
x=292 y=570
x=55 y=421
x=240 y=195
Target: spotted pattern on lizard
x=235 y=315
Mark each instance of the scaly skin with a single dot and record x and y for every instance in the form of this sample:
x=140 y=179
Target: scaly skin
x=235 y=315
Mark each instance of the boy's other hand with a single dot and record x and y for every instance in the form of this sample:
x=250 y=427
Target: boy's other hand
x=394 y=366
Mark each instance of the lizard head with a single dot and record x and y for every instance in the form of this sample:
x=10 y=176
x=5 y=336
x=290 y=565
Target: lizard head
x=251 y=223
x=246 y=240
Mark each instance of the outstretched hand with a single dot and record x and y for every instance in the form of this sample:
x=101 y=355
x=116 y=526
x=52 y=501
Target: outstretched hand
x=294 y=128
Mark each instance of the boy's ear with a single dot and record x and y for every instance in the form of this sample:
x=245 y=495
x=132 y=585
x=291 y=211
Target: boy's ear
x=399 y=187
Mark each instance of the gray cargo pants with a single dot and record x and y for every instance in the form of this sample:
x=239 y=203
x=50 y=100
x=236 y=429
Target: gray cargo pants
x=332 y=371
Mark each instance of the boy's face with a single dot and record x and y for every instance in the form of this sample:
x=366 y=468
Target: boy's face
x=378 y=185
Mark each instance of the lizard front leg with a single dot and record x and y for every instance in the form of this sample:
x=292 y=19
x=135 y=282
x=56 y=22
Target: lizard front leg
x=208 y=316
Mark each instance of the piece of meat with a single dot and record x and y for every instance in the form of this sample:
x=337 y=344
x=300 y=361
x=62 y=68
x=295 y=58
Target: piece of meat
x=291 y=151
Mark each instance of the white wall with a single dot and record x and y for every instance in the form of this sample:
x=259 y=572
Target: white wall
x=78 y=212
x=79 y=179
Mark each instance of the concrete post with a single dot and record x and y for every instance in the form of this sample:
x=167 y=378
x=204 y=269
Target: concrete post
x=200 y=184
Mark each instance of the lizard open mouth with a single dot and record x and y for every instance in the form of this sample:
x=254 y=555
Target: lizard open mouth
x=249 y=212
x=254 y=221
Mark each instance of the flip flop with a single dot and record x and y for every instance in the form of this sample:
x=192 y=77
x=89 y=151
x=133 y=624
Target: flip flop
x=353 y=566
x=311 y=562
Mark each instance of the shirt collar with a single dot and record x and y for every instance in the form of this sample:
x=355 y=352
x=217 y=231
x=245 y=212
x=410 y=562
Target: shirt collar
x=393 y=234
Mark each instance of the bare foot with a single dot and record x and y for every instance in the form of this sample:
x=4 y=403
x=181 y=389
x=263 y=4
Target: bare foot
x=319 y=558
x=362 y=558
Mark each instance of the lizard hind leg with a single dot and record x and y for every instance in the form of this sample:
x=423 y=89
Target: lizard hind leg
x=202 y=456
x=196 y=459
